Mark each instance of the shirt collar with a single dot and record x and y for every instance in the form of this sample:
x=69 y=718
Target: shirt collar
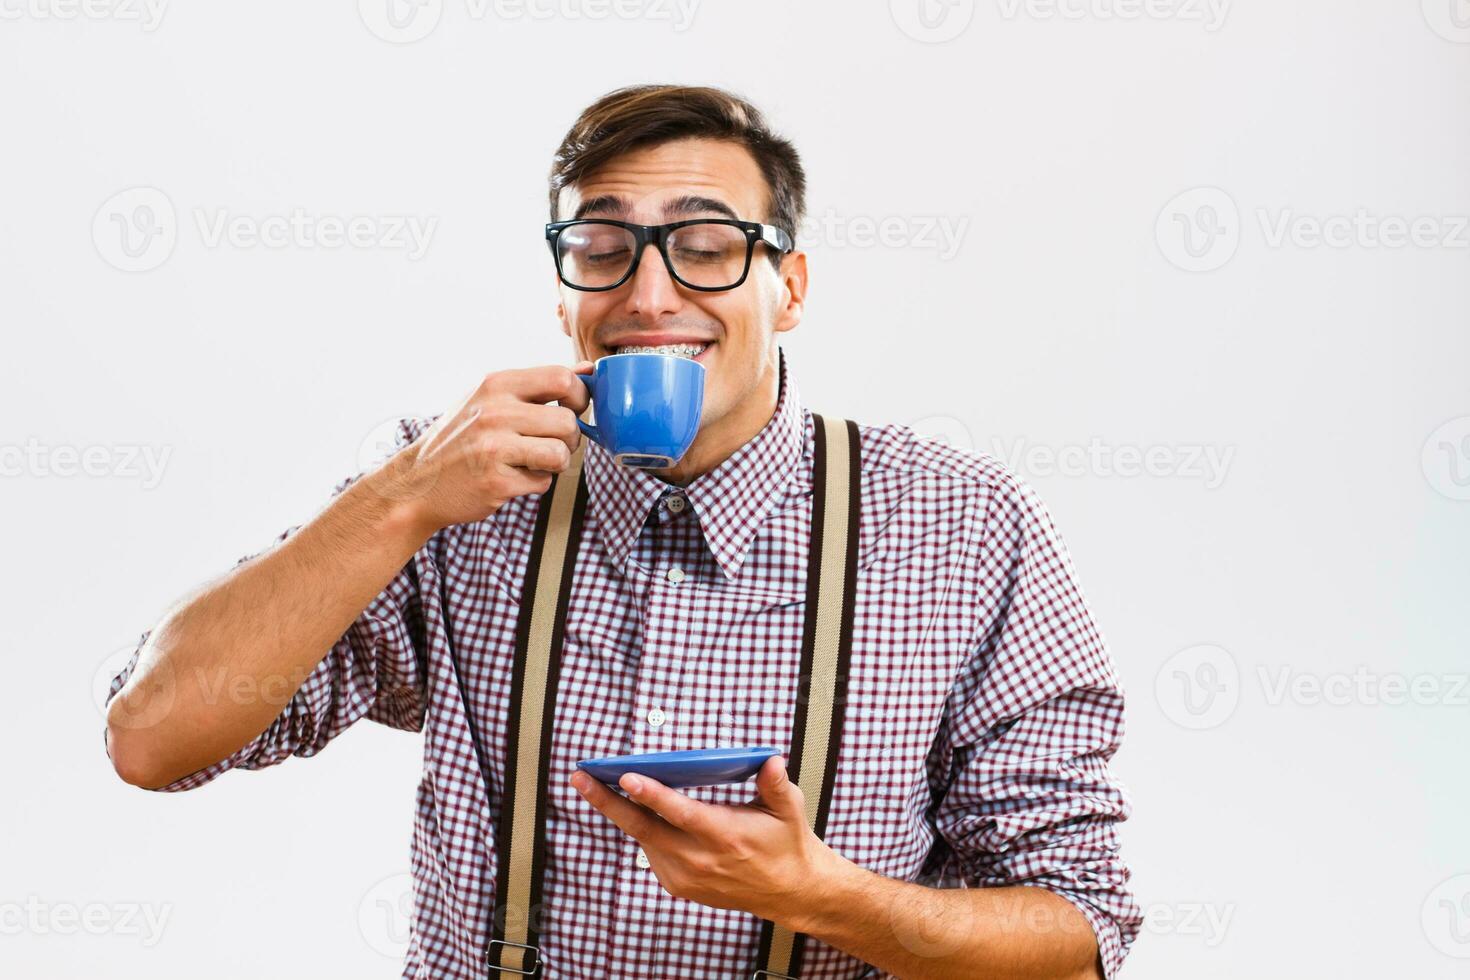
x=731 y=501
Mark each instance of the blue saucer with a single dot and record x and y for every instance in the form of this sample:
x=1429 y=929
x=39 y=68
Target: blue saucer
x=694 y=767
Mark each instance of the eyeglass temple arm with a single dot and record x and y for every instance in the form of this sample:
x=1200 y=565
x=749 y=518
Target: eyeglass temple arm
x=776 y=238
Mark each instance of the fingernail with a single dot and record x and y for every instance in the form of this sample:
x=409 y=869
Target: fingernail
x=632 y=783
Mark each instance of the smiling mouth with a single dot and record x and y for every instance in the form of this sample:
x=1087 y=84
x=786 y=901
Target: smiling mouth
x=690 y=351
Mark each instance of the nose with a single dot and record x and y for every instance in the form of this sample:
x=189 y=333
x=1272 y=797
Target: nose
x=653 y=291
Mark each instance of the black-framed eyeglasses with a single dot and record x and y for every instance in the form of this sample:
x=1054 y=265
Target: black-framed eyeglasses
x=708 y=254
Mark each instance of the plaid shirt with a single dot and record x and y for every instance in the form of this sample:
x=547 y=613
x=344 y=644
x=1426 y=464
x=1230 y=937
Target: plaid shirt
x=982 y=705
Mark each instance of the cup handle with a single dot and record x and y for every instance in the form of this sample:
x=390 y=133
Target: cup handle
x=589 y=430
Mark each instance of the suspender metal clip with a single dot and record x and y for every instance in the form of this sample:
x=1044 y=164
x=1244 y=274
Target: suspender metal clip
x=494 y=960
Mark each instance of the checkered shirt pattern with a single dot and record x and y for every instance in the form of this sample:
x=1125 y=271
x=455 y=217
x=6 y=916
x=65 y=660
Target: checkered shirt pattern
x=982 y=704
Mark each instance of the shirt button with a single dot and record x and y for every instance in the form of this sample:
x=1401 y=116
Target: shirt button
x=675 y=575
x=656 y=717
x=676 y=504
x=642 y=860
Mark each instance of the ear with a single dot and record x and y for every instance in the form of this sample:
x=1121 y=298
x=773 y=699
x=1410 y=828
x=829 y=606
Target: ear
x=561 y=313
x=793 y=291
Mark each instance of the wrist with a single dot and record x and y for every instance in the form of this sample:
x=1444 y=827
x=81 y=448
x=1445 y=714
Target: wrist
x=828 y=891
x=393 y=509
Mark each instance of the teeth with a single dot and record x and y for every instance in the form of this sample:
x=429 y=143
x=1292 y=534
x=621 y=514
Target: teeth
x=678 y=350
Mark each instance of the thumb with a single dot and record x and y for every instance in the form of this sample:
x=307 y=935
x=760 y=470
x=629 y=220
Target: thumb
x=777 y=791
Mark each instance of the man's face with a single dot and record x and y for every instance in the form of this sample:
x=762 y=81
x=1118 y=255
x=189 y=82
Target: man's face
x=690 y=178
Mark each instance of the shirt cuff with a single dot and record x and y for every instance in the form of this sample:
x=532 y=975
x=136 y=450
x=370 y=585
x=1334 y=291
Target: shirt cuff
x=1110 y=946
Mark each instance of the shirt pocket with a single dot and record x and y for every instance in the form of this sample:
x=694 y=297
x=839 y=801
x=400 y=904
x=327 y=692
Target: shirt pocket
x=741 y=672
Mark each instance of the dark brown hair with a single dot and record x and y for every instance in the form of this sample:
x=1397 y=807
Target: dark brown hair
x=641 y=116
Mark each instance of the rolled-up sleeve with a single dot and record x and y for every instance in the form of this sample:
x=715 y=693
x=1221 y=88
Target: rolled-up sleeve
x=1033 y=717
x=374 y=670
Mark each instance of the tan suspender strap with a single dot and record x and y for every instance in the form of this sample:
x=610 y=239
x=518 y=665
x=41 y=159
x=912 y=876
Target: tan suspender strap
x=521 y=835
x=826 y=650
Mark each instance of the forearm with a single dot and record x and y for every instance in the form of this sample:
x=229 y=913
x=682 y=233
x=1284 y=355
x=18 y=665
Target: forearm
x=224 y=662
x=918 y=933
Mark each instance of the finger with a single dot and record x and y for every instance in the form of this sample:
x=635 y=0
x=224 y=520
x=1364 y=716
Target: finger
x=637 y=822
x=674 y=807
x=553 y=382
x=518 y=482
x=549 y=421
x=581 y=395
x=535 y=453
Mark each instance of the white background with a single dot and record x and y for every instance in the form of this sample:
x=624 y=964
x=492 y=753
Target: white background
x=1277 y=833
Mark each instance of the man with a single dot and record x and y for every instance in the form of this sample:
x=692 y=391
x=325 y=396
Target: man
x=972 y=821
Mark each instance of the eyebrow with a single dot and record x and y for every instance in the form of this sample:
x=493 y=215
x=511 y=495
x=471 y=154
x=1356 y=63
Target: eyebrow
x=680 y=207
x=603 y=204
x=692 y=204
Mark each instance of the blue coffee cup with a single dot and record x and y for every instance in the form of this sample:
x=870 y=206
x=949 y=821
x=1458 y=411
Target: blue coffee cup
x=648 y=407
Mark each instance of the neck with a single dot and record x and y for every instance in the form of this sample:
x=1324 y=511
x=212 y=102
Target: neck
x=718 y=440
